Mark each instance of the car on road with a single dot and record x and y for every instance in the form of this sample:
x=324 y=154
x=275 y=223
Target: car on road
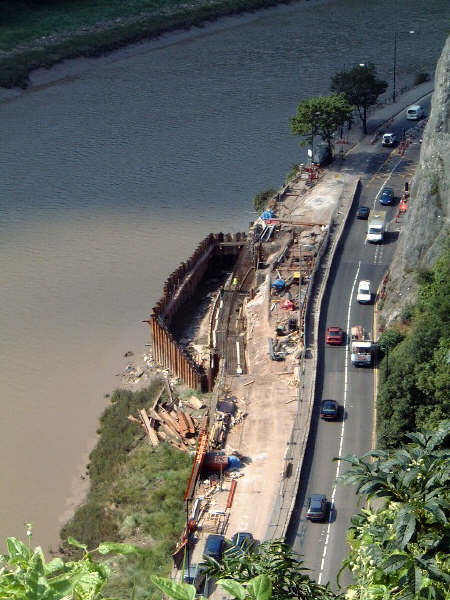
x=214 y=546
x=388 y=139
x=317 y=507
x=242 y=540
x=195 y=575
x=414 y=112
x=387 y=196
x=364 y=295
x=363 y=212
x=329 y=411
x=335 y=336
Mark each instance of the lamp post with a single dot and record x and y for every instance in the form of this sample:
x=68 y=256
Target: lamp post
x=395 y=62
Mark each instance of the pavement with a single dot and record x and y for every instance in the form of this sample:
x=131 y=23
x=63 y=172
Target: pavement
x=282 y=417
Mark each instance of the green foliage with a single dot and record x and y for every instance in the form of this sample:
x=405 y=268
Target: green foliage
x=414 y=393
x=293 y=172
x=277 y=561
x=320 y=116
x=421 y=78
x=133 y=489
x=389 y=339
x=25 y=574
x=399 y=549
x=258 y=588
x=361 y=88
x=262 y=198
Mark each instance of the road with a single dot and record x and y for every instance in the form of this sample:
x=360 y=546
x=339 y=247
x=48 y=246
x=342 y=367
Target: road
x=323 y=545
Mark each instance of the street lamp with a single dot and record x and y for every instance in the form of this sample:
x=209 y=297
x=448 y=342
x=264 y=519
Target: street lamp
x=395 y=61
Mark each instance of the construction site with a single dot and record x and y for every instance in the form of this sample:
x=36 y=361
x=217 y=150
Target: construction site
x=239 y=320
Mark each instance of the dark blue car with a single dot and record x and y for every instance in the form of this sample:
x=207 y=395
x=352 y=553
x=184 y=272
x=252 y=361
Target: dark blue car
x=387 y=196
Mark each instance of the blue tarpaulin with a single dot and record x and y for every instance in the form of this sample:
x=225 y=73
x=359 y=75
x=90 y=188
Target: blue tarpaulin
x=278 y=284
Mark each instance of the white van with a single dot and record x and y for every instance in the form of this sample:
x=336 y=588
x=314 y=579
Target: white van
x=414 y=112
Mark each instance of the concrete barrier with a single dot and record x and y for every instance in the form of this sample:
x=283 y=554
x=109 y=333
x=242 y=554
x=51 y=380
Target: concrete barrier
x=296 y=446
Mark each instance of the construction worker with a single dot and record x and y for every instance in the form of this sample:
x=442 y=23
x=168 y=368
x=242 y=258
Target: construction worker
x=235 y=282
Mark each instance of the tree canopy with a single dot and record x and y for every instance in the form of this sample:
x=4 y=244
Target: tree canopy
x=399 y=546
x=414 y=392
x=361 y=88
x=321 y=116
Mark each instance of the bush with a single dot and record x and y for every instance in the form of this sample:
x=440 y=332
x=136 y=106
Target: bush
x=293 y=172
x=415 y=376
x=421 y=78
x=262 y=198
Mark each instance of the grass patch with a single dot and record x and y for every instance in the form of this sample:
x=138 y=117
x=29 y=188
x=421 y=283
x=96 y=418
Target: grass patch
x=79 y=28
x=136 y=496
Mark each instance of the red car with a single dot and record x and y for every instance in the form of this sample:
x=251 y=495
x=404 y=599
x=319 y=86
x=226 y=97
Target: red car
x=335 y=336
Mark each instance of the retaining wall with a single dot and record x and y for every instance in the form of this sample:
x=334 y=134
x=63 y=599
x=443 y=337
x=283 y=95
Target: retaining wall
x=178 y=288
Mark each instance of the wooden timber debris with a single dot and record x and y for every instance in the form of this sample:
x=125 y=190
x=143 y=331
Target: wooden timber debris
x=195 y=403
x=182 y=422
x=190 y=423
x=150 y=431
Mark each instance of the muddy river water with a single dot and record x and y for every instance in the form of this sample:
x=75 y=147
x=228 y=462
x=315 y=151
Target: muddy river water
x=111 y=170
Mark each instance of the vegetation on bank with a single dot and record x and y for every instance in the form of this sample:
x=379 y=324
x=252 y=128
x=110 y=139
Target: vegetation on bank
x=414 y=383
x=136 y=496
x=41 y=34
x=399 y=544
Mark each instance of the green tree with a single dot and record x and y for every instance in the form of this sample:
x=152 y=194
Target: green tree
x=361 y=88
x=399 y=544
x=321 y=116
x=278 y=561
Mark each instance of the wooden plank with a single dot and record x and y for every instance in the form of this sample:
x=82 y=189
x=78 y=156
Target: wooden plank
x=150 y=431
x=190 y=422
x=182 y=423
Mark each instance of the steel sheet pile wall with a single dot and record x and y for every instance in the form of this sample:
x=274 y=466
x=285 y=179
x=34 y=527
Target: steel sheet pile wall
x=178 y=288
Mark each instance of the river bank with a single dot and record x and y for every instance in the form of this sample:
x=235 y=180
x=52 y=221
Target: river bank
x=111 y=34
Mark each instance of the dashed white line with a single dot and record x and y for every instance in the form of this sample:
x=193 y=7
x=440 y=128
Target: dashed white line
x=341 y=441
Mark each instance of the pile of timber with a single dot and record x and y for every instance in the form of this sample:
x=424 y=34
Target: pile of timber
x=177 y=427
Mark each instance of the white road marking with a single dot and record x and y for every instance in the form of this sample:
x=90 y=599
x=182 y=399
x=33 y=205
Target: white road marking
x=385 y=182
x=341 y=442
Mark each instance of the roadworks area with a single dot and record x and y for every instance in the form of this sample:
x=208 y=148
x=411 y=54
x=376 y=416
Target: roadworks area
x=248 y=482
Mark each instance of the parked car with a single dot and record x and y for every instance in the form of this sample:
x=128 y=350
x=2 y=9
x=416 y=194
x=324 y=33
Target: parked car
x=317 y=507
x=214 y=546
x=240 y=541
x=363 y=212
x=414 y=112
x=335 y=336
x=364 y=295
x=388 y=139
x=329 y=410
x=195 y=575
x=387 y=196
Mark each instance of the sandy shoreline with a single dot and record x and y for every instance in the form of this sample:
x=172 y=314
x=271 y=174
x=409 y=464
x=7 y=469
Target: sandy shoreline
x=73 y=68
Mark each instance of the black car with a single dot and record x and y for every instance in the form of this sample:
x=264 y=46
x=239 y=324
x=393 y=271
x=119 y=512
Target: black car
x=241 y=541
x=387 y=196
x=363 y=212
x=317 y=507
x=329 y=410
x=214 y=546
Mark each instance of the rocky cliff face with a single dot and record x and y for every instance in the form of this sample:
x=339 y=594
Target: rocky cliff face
x=427 y=222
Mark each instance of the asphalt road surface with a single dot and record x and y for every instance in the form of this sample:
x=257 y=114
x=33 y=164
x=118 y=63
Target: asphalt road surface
x=323 y=545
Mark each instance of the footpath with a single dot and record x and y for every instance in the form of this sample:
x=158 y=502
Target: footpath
x=277 y=397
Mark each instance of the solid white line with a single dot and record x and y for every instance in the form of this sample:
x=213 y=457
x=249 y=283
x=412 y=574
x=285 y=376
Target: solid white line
x=341 y=441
